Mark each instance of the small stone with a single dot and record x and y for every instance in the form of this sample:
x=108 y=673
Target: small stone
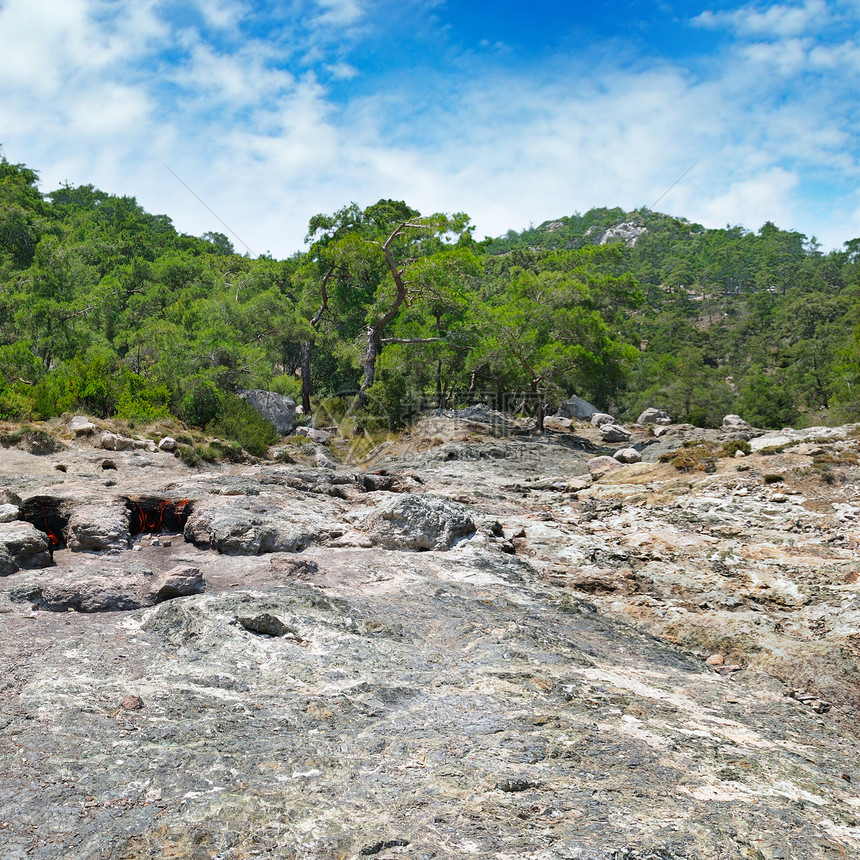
x=627 y=455
x=131 y=702
x=739 y=455
x=516 y=785
x=715 y=660
x=265 y=624
x=108 y=464
x=168 y=443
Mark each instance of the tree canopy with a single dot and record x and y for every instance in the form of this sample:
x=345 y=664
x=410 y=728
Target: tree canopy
x=107 y=308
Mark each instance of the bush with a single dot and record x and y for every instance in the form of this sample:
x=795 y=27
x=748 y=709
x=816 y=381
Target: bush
x=15 y=406
x=288 y=385
x=239 y=421
x=201 y=401
x=731 y=447
x=385 y=409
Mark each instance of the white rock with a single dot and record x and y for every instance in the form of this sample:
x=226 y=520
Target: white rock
x=168 y=443
x=735 y=422
x=81 y=424
x=628 y=455
x=115 y=442
x=9 y=513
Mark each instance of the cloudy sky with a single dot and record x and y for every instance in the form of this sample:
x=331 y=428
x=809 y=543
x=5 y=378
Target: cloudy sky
x=515 y=112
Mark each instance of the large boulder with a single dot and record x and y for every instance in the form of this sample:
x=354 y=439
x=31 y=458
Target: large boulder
x=576 y=407
x=22 y=545
x=654 y=416
x=418 y=523
x=277 y=408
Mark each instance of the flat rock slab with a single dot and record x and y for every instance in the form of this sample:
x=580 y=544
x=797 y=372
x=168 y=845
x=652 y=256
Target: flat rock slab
x=105 y=589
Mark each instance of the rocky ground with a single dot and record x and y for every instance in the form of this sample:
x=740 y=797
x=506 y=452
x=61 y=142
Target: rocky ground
x=466 y=647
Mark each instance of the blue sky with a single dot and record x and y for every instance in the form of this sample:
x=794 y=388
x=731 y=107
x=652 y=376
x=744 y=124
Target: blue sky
x=514 y=112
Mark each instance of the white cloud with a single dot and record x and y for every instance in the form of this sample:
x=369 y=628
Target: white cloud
x=339 y=12
x=89 y=94
x=778 y=21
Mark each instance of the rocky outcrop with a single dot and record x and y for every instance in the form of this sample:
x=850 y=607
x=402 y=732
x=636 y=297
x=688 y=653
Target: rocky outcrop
x=277 y=408
x=594 y=661
x=418 y=523
x=735 y=422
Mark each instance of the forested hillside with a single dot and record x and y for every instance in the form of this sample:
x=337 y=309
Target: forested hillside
x=108 y=309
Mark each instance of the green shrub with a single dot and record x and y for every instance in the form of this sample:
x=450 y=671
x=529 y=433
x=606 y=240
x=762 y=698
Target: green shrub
x=239 y=421
x=287 y=384
x=201 y=401
x=15 y=406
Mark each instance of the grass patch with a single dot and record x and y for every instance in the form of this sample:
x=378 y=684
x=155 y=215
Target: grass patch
x=694 y=456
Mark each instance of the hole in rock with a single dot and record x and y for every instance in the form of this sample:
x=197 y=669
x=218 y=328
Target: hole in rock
x=151 y=515
x=48 y=514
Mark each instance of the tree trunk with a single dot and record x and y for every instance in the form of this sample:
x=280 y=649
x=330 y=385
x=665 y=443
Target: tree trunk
x=371 y=353
x=307 y=384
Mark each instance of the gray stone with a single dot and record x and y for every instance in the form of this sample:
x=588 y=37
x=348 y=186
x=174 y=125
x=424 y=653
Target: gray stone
x=654 y=416
x=168 y=443
x=628 y=455
x=7 y=497
x=418 y=523
x=576 y=407
x=23 y=545
x=601 y=418
x=277 y=408
x=264 y=624
x=614 y=433
x=319 y=436
x=107 y=589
